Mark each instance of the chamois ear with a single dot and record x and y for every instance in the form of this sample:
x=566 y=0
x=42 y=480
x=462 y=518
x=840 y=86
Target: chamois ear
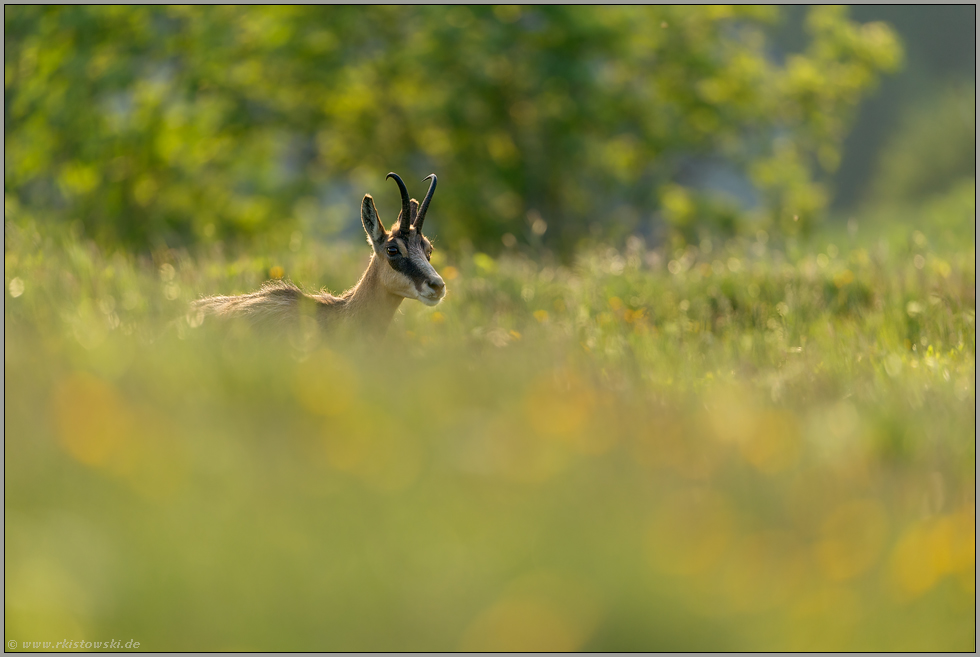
x=414 y=205
x=402 y=226
x=372 y=222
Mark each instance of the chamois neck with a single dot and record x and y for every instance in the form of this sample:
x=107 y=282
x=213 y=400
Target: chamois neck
x=369 y=305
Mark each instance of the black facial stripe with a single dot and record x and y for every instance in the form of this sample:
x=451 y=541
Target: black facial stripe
x=408 y=267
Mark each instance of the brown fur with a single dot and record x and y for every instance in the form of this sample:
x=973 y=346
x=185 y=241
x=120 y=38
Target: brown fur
x=280 y=304
x=366 y=308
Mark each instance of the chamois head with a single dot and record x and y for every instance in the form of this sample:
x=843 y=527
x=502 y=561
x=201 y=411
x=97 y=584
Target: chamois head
x=404 y=252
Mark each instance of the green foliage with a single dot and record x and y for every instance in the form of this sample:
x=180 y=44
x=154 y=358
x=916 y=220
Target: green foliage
x=924 y=189
x=738 y=445
x=934 y=149
x=174 y=125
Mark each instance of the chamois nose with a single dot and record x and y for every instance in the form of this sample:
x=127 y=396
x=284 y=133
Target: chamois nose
x=437 y=286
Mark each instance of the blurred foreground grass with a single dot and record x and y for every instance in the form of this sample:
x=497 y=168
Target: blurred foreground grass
x=739 y=446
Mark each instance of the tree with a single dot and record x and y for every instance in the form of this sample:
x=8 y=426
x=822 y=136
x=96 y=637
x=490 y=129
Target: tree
x=183 y=124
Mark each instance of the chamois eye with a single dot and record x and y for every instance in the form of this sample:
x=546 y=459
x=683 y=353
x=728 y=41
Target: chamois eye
x=392 y=250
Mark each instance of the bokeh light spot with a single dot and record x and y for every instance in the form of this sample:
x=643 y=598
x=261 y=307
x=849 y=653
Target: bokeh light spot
x=325 y=383
x=852 y=537
x=690 y=532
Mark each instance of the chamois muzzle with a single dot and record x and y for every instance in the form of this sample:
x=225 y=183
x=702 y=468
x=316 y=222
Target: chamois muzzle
x=437 y=285
x=432 y=291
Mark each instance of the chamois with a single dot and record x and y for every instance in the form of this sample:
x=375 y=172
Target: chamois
x=399 y=269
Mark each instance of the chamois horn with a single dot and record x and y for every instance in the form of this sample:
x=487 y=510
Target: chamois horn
x=405 y=218
x=425 y=201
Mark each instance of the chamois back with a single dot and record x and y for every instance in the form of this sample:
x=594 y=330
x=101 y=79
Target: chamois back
x=277 y=304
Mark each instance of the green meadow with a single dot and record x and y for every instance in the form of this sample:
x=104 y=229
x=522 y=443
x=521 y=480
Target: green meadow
x=742 y=445
x=704 y=378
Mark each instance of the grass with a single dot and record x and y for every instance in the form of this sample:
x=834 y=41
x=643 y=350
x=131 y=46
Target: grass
x=742 y=446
